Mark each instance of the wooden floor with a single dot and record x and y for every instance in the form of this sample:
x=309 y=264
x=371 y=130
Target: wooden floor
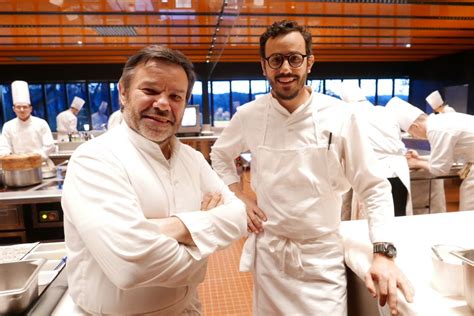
x=226 y=291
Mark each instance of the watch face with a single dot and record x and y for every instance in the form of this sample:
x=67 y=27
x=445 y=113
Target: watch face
x=391 y=251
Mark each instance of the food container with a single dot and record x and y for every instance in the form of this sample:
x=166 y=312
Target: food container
x=467 y=257
x=447 y=271
x=23 y=178
x=18 y=285
x=22 y=169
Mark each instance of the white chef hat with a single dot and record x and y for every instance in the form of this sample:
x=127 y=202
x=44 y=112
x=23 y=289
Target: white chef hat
x=405 y=113
x=435 y=100
x=351 y=92
x=20 y=92
x=77 y=103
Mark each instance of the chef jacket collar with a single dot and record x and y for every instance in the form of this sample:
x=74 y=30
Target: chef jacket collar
x=282 y=110
x=151 y=148
x=26 y=122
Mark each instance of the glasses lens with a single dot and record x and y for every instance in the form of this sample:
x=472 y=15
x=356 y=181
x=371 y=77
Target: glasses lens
x=275 y=61
x=295 y=60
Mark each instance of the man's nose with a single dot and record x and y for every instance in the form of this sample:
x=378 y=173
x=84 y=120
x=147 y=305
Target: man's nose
x=285 y=67
x=162 y=102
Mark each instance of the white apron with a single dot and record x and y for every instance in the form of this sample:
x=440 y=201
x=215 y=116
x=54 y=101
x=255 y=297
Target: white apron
x=298 y=260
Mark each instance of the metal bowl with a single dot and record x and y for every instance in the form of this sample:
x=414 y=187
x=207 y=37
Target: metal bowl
x=18 y=285
x=467 y=257
x=23 y=178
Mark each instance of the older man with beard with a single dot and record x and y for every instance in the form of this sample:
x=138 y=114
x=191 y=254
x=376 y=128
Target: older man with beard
x=134 y=198
x=307 y=150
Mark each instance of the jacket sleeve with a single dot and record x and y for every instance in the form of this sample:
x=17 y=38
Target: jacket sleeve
x=216 y=228
x=230 y=144
x=4 y=147
x=364 y=172
x=442 y=144
x=102 y=207
x=47 y=141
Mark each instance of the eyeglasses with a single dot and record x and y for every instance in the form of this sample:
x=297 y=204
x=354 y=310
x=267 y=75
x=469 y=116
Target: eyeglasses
x=294 y=59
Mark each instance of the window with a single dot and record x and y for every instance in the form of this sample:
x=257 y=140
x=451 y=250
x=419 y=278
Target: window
x=7 y=103
x=55 y=99
x=221 y=100
x=384 y=91
x=258 y=87
x=196 y=95
x=37 y=101
x=79 y=89
x=401 y=88
x=114 y=95
x=316 y=85
x=333 y=87
x=99 y=105
x=368 y=86
x=240 y=93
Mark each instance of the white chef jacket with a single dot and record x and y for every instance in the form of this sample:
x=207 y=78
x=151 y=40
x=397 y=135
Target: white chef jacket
x=451 y=137
x=386 y=141
x=114 y=119
x=32 y=135
x=4 y=148
x=66 y=123
x=118 y=262
x=358 y=162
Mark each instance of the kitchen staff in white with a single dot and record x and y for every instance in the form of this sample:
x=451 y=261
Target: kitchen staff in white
x=386 y=141
x=27 y=133
x=298 y=140
x=428 y=196
x=437 y=103
x=99 y=118
x=115 y=119
x=451 y=138
x=137 y=241
x=66 y=121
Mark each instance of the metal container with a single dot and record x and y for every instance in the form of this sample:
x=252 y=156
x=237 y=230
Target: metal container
x=467 y=257
x=2 y=179
x=18 y=285
x=23 y=178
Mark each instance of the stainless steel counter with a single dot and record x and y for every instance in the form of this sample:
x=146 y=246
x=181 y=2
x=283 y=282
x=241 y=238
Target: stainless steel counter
x=45 y=192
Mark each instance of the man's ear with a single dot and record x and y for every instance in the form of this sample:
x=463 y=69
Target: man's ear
x=310 y=62
x=262 y=63
x=122 y=94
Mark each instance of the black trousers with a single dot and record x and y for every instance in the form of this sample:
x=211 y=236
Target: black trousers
x=399 y=196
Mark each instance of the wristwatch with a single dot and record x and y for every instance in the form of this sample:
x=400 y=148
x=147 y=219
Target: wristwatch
x=385 y=248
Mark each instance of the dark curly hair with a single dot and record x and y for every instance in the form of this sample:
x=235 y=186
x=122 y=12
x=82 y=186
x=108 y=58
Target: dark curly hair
x=282 y=28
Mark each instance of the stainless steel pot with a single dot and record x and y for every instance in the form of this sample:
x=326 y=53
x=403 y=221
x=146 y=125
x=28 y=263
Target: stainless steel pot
x=467 y=257
x=23 y=178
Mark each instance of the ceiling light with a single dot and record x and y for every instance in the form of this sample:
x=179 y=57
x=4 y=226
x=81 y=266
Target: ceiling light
x=408 y=45
x=56 y=2
x=79 y=42
x=207 y=61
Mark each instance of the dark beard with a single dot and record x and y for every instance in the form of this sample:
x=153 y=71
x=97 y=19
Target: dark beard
x=286 y=97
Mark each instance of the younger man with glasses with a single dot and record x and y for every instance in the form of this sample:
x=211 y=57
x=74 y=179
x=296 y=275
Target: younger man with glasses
x=307 y=150
x=26 y=133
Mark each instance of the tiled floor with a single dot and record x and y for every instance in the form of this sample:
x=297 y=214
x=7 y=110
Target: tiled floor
x=226 y=291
